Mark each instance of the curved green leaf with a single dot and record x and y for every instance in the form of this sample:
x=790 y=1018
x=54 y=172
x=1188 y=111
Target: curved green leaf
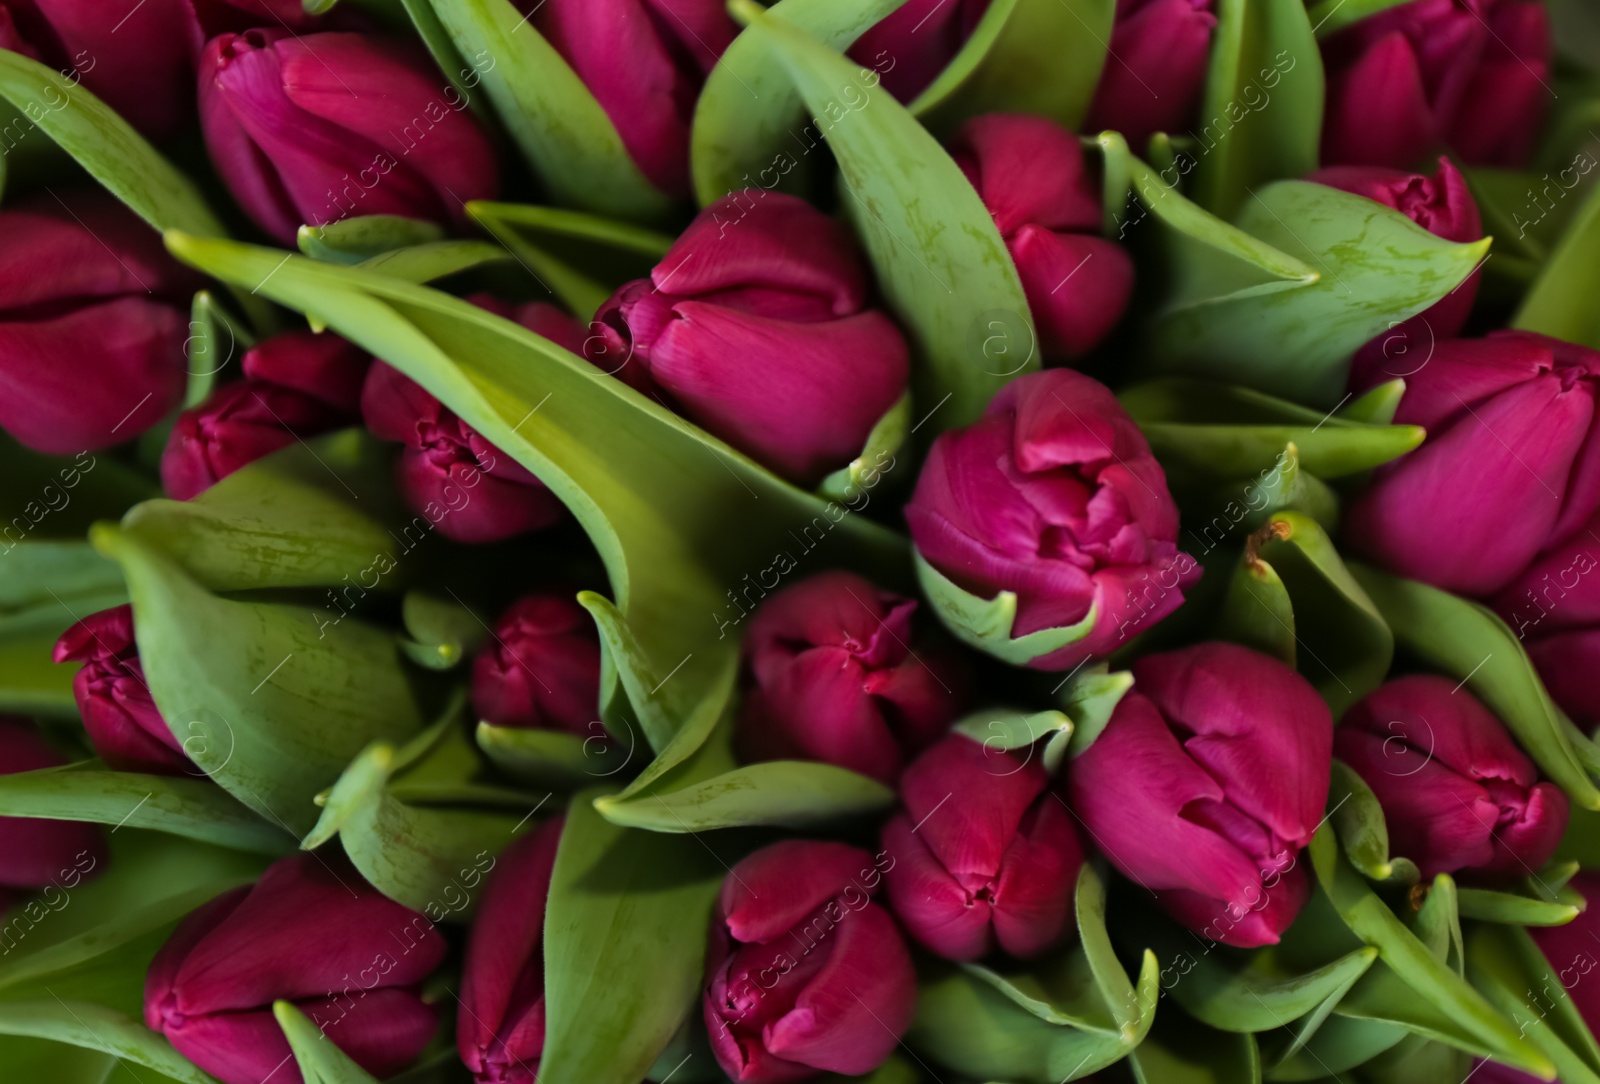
x=786 y=793
x=352 y=240
x=865 y=470
x=1179 y=1051
x=999 y=731
x=440 y=259
x=1557 y=303
x=1358 y=821
x=440 y=634
x=555 y=759
x=986 y=624
x=1089 y=699
x=1515 y=909
x=319 y=1061
x=97 y=1028
x=1507 y=966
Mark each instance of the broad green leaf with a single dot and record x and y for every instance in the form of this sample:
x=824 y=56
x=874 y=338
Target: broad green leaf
x=96 y=1028
x=353 y=240
x=1507 y=966
x=1382 y=999
x=1003 y=731
x=1089 y=700
x=1261 y=114
x=558 y=760
x=1132 y=1008
x=440 y=633
x=786 y=793
x=279 y=703
x=30 y=684
x=624 y=946
x=1331 y=16
x=193 y=808
x=1372 y=266
x=659 y=704
x=1180 y=1051
x=561 y=130
x=1358 y=821
x=1557 y=303
x=319 y=1061
x=462 y=76
x=940 y=261
x=986 y=624
x=48 y=585
x=1466 y=640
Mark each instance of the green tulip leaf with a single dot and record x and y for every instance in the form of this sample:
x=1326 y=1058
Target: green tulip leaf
x=1508 y=967
x=1466 y=640
x=1358 y=821
x=95 y=1027
x=1261 y=115
x=215 y=338
x=1257 y=610
x=1516 y=909
x=56 y=498
x=864 y=471
x=554 y=759
x=1003 y=731
x=660 y=704
x=1376 y=406
x=440 y=634
x=30 y=684
x=1180 y=1051
x=1338 y=1046
x=1437 y=922
x=1385 y=1001
x=1090 y=697
x=1557 y=304
x=1059 y=989
x=556 y=122
x=986 y=624
x=941 y=263
x=49 y=585
x=352 y=240
x=1247 y=505
x=785 y=793
x=1417 y=1057
x=436 y=260
x=462 y=76
x=624 y=946
x=271 y=705
x=1332 y=16
x=319 y=1061
x=701 y=749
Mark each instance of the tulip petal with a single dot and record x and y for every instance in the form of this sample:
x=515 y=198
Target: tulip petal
x=795 y=877
x=1378 y=110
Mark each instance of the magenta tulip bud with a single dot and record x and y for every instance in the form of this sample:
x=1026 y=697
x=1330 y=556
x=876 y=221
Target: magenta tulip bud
x=755 y=327
x=136 y=61
x=121 y=719
x=297 y=385
x=37 y=855
x=1206 y=785
x=1554 y=608
x=644 y=61
x=1507 y=468
x=83 y=278
x=1156 y=70
x=1573 y=955
x=1053 y=496
x=1471 y=75
x=985 y=853
x=805 y=974
x=910 y=46
x=834 y=673
x=310 y=932
x=540 y=668
x=1457 y=793
x=312 y=129
x=1442 y=205
x=1031 y=174
x=500 y=1025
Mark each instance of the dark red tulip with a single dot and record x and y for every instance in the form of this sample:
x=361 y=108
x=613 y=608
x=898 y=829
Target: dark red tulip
x=1155 y=72
x=310 y=932
x=911 y=45
x=1207 y=784
x=93 y=319
x=540 y=668
x=755 y=326
x=805 y=973
x=1573 y=955
x=985 y=853
x=39 y=855
x=834 y=672
x=121 y=718
x=312 y=129
x=1471 y=75
x=1032 y=176
x=1554 y=608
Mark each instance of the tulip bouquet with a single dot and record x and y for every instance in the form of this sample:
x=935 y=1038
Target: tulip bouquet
x=920 y=541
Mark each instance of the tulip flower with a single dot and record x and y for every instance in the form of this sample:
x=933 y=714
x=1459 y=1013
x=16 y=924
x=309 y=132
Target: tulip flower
x=38 y=854
x=1508 y=468
x=500 y=1025
x=1473 y=75
x=1156 y=69
x=540 y=668
x=466 y=487
x=121 y=719
x=985 y=853
x=1206 y=785
x=316 y=128
x=213 y=17
x=93 y=319
x=1457 y=793
x=1554 y=608
x=1573 y=955
x=1053 y=495
x=755 y=327
x=1032 y=177
x=805 y=973
x=834 y=673
x=137 y=62
x=644 y=61
x=310 y=932
x=911 y=45
x=296 y=385
x=1442 y=205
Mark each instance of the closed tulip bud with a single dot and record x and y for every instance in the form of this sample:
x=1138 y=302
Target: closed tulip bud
x=93 y=319
x=805 y=973
x=911 y=45
x=1053 y=495
x=1471 y=75
x=644 y=61
x=1031 y=174
x=1156 y=70
x=40 y=854
x=137 y=62
x=310 y=932
x=540 y=668
x=500 y=1025
x=296 y=385
x=1554 y=608
x=1573 y=955
x=1206 y=785
x=754 y=326
x=985 y=853
x=312 y=129
x=121 y=719
x=834 y=673
x=1457 y=793
x=1442 y=205
x=1510 y=464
